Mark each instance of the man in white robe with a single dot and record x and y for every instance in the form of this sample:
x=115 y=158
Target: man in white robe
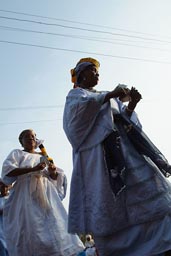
x=137 y=221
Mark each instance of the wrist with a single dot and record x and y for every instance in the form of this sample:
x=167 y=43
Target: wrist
x=129 y=109
x=131 y=105
x=53 y=174
x=34 y=169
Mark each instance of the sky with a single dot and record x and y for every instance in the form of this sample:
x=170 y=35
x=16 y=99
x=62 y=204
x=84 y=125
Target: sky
x=40 y=41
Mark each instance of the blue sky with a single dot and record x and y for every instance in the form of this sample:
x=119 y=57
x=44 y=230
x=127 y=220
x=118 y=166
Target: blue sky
x=34 y=81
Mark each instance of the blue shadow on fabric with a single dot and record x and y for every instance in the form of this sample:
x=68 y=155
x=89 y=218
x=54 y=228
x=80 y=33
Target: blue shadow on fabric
x=82 y=254
x=3 y=251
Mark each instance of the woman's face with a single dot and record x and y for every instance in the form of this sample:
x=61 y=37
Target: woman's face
x=29 y=140
x=90 y=76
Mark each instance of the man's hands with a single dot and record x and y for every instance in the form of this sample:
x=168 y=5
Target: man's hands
x=121 y=91
x=134 y=94
x=135 y=97
x=125 y=94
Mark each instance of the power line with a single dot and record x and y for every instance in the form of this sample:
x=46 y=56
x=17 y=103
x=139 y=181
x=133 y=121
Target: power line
x=29 y=122
x=31 y=107
x=86 y=52
x=83 y=29
x=82 y=23
x=80 y=37
x=91 y=37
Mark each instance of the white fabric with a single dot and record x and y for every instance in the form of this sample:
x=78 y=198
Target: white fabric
x=91 y=251
x=87 y=122
x=60 y=183
x=35 y=221
x=93 y=208
x=147 y=239
x=89 y=243
x=2 y=202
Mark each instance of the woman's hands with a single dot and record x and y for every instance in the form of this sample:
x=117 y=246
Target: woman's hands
x=39 y=167
x=24 y=170
x=52 y=171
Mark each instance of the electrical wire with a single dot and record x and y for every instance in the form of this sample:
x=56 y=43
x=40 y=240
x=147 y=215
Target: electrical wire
x=90 y=37
x=29 y=122
x=83 y=29
x=30 y=107
x=80 y=37
x=86 y=52
x=81 y=23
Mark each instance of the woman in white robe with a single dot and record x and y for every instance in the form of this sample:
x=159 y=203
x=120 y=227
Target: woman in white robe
x=128 y=211
x=35 y=220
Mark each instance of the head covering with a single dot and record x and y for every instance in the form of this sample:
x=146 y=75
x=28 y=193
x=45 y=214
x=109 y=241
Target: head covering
x=82 y=65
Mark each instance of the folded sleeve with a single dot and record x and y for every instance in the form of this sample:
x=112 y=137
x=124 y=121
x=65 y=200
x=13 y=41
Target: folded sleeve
x=60 y=184
x=11 y=162
x=81 y=111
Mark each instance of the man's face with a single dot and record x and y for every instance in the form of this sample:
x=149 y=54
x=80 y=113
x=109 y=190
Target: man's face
x=91 y=75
